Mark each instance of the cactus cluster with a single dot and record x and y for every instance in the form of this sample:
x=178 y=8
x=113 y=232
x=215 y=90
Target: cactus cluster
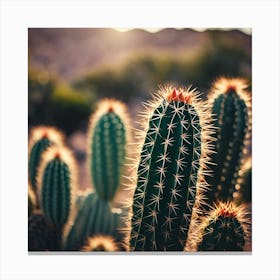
x=186 y=172
x=53 y=166
x=108 y=135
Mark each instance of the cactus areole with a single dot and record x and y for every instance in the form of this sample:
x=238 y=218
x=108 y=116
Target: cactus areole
x=167 y=175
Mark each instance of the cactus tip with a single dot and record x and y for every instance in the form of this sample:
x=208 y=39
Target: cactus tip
x=231 y=87
x=110 y=109
x=57 y=155
x=179 y=96
x=44 y=134
x=227 y=213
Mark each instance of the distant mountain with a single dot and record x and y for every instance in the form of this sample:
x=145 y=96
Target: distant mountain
x=72 y=52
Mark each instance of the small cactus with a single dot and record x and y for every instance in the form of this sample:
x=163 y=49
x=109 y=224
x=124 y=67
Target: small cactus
x=107 y=137
x=95 y=217
x=231 y=114
x=100 y=243
x=170 y=172
x=57 y=186
x=226 y=228
x=41 y=138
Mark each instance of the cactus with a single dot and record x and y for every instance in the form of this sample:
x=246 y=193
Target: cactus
x=41 y=235
x=231 y=111
x=95 y=217
x=107 y=138
x=41 y=137
x=101 y=243
x=243 y=192
x=225 y=229
x=170 y=172
x=56 y=179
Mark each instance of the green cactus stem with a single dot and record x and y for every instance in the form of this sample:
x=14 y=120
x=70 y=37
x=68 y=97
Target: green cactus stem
x=95 y=217
x=170 y=171
x=225 y=229
x=41 y=138
x=57 y=185
x=231 y=111
x=107 y=137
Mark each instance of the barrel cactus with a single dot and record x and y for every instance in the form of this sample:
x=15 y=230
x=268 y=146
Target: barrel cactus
x=41 y=137
x=231 y=115
x=170 y=172
x=226 y=228
x=107 y=137
x=95 y=217
x=57 y=184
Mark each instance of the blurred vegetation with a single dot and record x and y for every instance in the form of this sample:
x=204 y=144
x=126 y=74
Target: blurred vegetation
x=54 y=103
x=68 y=106
x=143 y=73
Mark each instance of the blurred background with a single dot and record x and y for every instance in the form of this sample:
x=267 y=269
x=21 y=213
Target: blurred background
x=71 y=69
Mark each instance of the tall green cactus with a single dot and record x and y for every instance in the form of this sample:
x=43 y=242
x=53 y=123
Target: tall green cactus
x=95 y=217
x=170 y=171
x=57 y=185
x=225 y=229
x=107 y=135
x=41 y=137
x=231 y=111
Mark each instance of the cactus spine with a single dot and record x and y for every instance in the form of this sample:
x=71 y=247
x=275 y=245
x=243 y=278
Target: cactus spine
x=170 y=171
x=231 y=111
x=107 y=137
x=225 y=229
x=41 y=137
x=57 y=184
x=95 y=217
